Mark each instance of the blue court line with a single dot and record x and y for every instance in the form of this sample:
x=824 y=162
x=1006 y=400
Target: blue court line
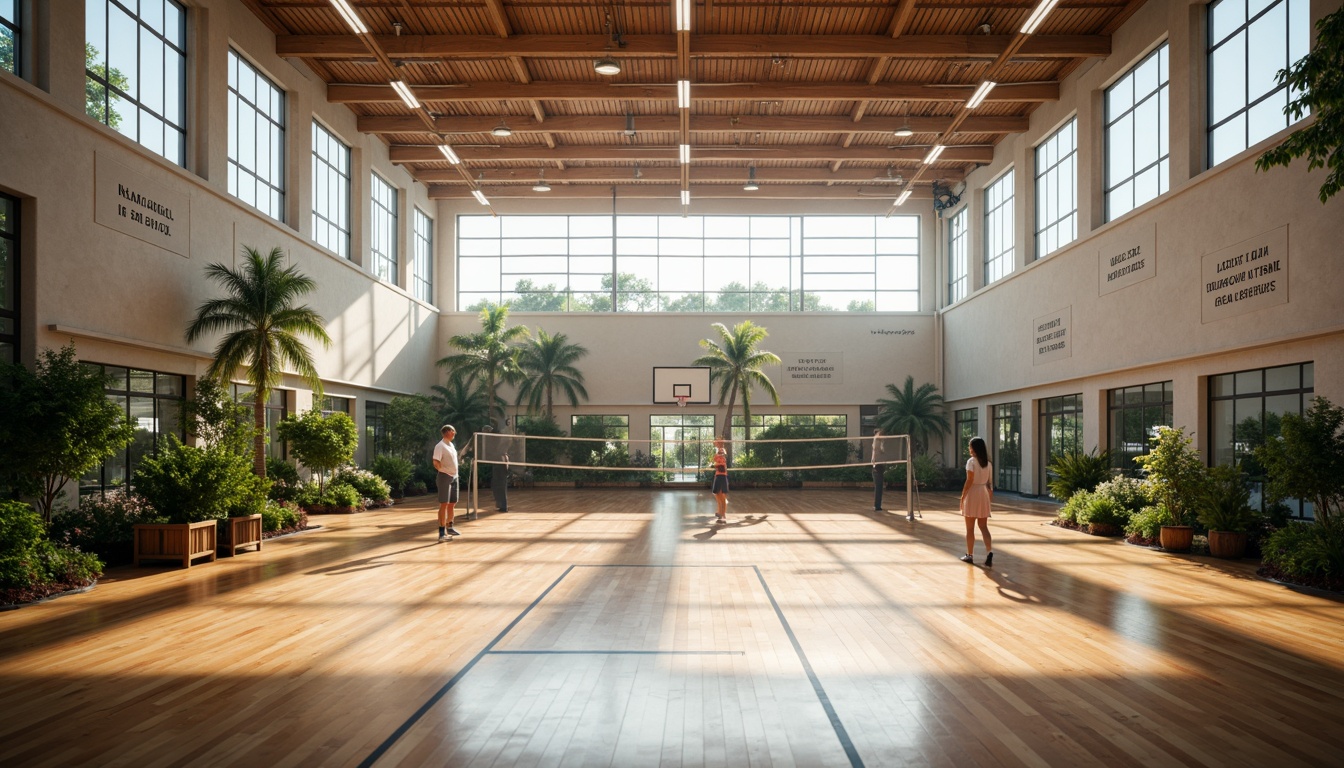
x=840 y=732
x=419 y=713
x=618 y=653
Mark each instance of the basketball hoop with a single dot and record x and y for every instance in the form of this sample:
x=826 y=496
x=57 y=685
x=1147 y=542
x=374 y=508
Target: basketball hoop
x=681 y=400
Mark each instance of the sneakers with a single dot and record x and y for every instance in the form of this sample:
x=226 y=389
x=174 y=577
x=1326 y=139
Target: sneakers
x=453 y=531
x=989 y=559
x=910 y=517
x=967 y=559
x=443 y=535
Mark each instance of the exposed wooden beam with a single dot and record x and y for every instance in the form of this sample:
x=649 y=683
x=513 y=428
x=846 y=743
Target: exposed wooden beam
x=349 y=93
x=673 y=192
x=873 y=177
x=699 y=123
x=400 y=153
x=701 y=46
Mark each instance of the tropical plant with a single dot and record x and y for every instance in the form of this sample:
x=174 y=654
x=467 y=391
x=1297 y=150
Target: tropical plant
x=214 y=418
x=320 y=442
x=914 y=411
x=1176 y=472
x=261 y=325
x=489 y=355
x=1070 y=473
x=1227 y=501
x=735 y=363
x=462 y=404
x=58 y=423
x=412 y=424
x=188 y=484
x=1307 y=460
x=1315 y=82
x=394 y=470
x=548 y=364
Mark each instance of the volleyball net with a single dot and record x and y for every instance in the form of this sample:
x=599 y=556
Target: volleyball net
x=678 y=460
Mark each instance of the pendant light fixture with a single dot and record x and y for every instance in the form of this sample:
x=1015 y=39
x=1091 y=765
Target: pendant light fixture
x=502 y=130
x=751 y=185
x=541 y=185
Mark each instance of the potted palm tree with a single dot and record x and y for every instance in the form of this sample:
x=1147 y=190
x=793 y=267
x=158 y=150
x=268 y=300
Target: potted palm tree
x=1227 y=512
x=735 y=363
x=914 y=411
x=1179 y=477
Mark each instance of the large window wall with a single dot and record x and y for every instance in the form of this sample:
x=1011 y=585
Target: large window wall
x=682 y=442
x=1247 y=408
x=692 y=264
x=1133 y=413
x=256 y=138
x=1000 y=223
x=9 y=275
x=1057 y=190
x=967 y=423
x=422 y=260
x=331 y=192
x=1061 y=431
x=1249 y=42
x=958 y=255
x=1137 y=132
x=383 y=243
x=375 y=430
x=11 y=35
x=276 y=409
x=135 y=66
x=1006 y=446
x=153 y=403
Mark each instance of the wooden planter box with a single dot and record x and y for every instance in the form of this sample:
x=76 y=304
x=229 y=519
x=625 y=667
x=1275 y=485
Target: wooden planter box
x=243 y=532
x=1177 y=538
x=1227 y=544
x=180 y=542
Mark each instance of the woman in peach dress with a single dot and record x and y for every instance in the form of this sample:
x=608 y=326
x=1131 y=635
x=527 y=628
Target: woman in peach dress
x=976 y=496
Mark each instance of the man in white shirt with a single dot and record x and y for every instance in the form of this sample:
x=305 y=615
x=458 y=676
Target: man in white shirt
x=445 y=461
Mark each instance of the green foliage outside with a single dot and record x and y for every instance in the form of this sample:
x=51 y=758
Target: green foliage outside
x=58 y=424
x=97 y=99
x=394 y=470
x=1227 y=501
x=32 y=566
x=914 y=411
x=321 y=443
x=545 y=451
x=462 y=404
x=1176 y=472
x=261 y=324
x=1307 y=460
x=1316 y=80
x=412 y=424
x=1070 y=473
x=187 y=484
x=735 y=362
x=810 y=452
x=637 y=295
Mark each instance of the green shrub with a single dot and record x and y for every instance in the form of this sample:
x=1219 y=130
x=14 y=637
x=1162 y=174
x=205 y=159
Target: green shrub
x=66 y=567
x=1071 y=473
x=1146 y=524
x=342 y=495
x=189 y=484
x=1131 y=493
x=750 y=460
x=416 y=487
x=20 y=527
x=103 y=520
x=1307 y=551
x=1104 y=511
x=395 y=470
x=308 y=495
x=31 y=566
x=1074 y=507
x=366 y=483
x=276 y=516
x=279 y=470
x=1226 y=505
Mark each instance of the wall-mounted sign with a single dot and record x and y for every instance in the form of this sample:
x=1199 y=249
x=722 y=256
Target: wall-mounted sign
x=133 y=204
x=1250 y=275
x=1127 y=257
x=1052 y=336
x=892 y=332
x=826 y=368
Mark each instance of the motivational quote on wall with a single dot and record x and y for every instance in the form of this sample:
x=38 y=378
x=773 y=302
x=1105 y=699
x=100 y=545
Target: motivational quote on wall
x=1245 y=277
x=133 y=204
x=808 y=368
x=1052 y=336
x=1127 y=257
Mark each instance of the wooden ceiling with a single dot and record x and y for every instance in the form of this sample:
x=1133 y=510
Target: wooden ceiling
x=807 y=96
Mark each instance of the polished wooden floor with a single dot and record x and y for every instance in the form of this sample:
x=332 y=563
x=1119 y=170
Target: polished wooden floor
x=620 y=628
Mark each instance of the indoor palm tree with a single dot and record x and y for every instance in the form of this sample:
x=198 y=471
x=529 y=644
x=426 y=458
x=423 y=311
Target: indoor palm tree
x=735 y=363
x=490 y=355
x=917 y=412
x=461 y=402
x=548 y=364
x=261 y=327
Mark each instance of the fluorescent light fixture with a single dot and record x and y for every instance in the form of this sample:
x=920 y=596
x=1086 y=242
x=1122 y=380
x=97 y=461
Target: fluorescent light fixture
x=751 y=185
x=934 y=152
x=684 y=15
x=541 y=186
x=685 y=197
x=480 y=197
x=683 y=94
x=684 y=153
x=607 y=66
x=905 y=131
x=450 y=154
x=351 y=18
x=1038 y=15
x=980 y=94
x=404 y=91
x=904 y=196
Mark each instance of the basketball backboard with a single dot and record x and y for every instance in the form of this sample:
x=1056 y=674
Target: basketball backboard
x=690 y=382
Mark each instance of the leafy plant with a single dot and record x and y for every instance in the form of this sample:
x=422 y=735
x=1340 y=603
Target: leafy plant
x=365 y=483
x=395 y=470
x=1227 y=501
x=340 y=495
x=102 y=520
x=216 y=419
x=1103 y=512
x=1319 y=90
x=1070 y=473
x=278 y=516
x=31 y=566
x=489 y=355
x=261 y=323
x=1074 y=507
x=1128 y=492
x=187 y=484
x=735 y=363
x=914 y=411
x=1146 y=524
x=548 y=365
x=57 y=424
x=321 y=442
x=412 y=424
x=1307 y=460
x=1176 y=472
x=1307 y=552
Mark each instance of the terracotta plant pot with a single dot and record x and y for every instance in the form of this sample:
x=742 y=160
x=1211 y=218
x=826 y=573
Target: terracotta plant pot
x=1177 y=538
x=1227 y=544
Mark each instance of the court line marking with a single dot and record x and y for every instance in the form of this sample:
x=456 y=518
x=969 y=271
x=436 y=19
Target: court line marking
x=616 y=653
x=841 y=733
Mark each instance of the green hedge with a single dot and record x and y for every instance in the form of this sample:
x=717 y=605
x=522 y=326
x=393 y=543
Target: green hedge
x=1307 y=553
x=33 y=567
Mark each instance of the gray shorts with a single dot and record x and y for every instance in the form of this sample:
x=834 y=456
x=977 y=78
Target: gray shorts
x=447 y=488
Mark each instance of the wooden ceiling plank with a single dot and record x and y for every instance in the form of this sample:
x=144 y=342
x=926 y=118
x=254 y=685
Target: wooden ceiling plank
x=400 y=153
x=382 y=124
x=848 y=175
x=498 y=18
x=673 y=191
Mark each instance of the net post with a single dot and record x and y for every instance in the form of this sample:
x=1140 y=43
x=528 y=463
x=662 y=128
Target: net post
x=909 y=480
x=475 y=475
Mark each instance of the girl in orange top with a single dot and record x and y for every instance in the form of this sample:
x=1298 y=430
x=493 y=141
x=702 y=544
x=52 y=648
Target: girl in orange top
x=720 y=485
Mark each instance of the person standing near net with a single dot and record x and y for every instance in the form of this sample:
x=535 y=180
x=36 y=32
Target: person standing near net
x=878 y=458
x=976 y=497
x=720 y=485
x=445 y=461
